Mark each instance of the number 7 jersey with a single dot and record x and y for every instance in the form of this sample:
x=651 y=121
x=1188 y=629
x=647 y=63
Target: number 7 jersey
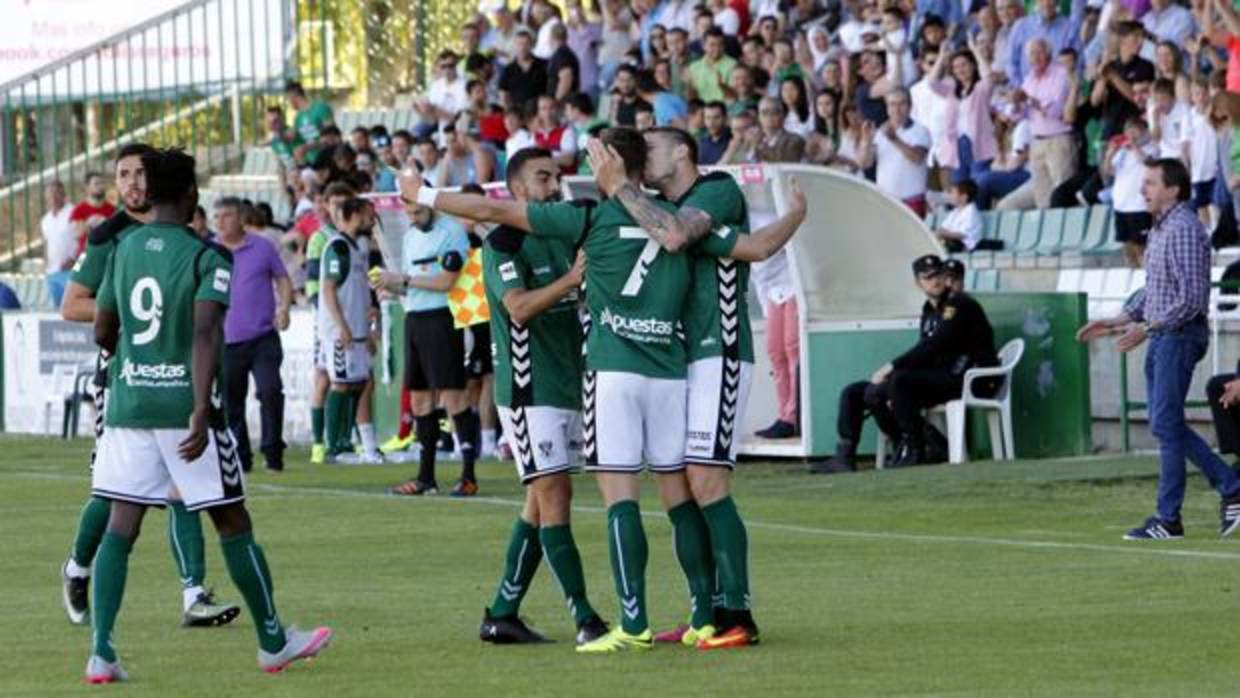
x=152 y=281
x=635 y=291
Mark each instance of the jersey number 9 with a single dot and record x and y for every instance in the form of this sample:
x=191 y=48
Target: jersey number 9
x=146 y=304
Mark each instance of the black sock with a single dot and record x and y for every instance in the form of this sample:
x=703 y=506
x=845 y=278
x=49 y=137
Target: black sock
x=466 y=436
x=476 y=418
x=427 y=430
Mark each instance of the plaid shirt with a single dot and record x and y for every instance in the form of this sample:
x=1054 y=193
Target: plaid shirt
x=1177 y=272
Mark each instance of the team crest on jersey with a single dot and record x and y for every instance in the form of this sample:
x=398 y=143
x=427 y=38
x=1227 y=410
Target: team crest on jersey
x=949 y=312
x=155 y=245
x=545 y=448
x=223 y=278
x=508 y=271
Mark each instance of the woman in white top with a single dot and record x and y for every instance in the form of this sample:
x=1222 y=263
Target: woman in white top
x=796 y=103
x=824 y=140
x=1169 y=65
x=848 y=154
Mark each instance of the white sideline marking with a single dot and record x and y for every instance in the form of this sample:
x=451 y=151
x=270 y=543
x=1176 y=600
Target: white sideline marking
x=1134 y=549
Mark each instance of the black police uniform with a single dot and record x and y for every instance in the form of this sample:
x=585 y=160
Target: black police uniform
x=1226 y=419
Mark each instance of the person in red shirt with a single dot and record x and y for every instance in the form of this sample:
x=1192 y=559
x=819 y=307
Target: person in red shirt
x=557 y=137
x=92 y=211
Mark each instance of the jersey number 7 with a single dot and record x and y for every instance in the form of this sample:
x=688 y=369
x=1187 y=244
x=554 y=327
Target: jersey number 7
x=637 y=277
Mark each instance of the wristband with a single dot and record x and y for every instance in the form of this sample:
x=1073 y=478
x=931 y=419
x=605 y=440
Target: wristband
x=427 y=196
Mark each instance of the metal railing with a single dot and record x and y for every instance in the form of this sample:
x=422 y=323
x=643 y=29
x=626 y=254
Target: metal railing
x=199 y=76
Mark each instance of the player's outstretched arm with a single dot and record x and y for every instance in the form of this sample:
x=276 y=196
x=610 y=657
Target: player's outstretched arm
x=526 y=304
x=772 y=237
x=473 y=206
x=204 y=359
x=673 y=231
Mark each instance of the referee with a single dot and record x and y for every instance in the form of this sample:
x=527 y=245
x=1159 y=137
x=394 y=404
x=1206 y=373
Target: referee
x=1171 y=311
x=434 y=252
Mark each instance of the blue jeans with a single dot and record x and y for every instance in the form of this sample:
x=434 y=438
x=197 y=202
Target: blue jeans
x=56 y=282
x=1169 y=363
x=968 y=168
x=996 y=184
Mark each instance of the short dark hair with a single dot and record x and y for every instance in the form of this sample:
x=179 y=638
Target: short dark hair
x=679 y=137
x=1175 y=174
x=295 y=88
x=627 y=68
x=1164 y=86
x=233 y=202
x=403 y=134
x=643 y=107
x=631 y=146
x=274 y=109
x=169 y=175
x=350 y=208
x=338 y=189
x=329 y=130
x=520 y=159
x=967 y=187
x=91 y=174
x=360 y=129
x=132 y=149
x=581 y=102
x=716 y=104
x=713 y=32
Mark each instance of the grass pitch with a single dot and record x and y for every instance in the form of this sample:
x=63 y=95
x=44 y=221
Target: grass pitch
x=980 y=580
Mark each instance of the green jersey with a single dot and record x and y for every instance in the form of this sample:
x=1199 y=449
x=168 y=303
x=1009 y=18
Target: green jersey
x=717 y=311
x=158 y=273
x=309 y=124
x=634 y=290
x=90 y=266
x=537 y=364
x=285 y=148
x=314 y=258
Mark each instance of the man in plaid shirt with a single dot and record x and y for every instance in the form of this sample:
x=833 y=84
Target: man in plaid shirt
x=1171 y=311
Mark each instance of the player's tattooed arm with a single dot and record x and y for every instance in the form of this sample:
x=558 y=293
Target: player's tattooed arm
x=107 y=330
x=673 y=231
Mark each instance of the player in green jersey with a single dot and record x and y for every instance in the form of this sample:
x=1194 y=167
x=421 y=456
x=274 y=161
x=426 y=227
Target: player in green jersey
x=312 y=117
x=634 y=392
x=330 y=202
x=184 y=527
x=161 y=312
x=709 y=535
x=531 y=286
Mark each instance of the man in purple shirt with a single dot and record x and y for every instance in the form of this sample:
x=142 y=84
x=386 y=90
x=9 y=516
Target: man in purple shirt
x=256 y=314
x=1171 y=311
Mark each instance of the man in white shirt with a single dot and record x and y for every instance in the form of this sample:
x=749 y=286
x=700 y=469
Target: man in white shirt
x=899 y=148
x=1168 y=120
x=445 y=97
x=59 y=240
x=929 y=107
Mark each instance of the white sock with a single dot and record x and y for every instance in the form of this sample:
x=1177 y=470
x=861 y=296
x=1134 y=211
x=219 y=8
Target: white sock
x=369 y=445
x=73 y=569
x=189 y=595
x=488 y=441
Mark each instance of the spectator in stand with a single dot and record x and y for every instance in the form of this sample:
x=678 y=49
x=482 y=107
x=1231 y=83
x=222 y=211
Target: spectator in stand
x=643 y=118
x=1042 y=97
x=1009 y=12
x=285 y=142
x=359 y=139
x=1167 y=21
x=91 y=211
x=678 y=60
x=796 y=103
x=669 y=109
x=585 y=36
x=1056 y=31
x=724 y=17
x=619 y=29
x=776 y=144
x=968 y=146
x=402 y=148
x=930 y=110
x=1168 y=121
x=546 y=18
x=554 y=136
x=1115 y=92
x=516 y=121
x=1201 y=154
x=1123 y=167
x=852 y=140
x=563 y=68
x=1169 y=65
x=261 y=295
x=502 y=38
x=1010 y=170
x=961 y=230
x=624 y=97
x=579 y=109
x=714 y=143
x=898 y=151
x=873 y=87
x=312 y=117
x=745 y=137
x=525 y=77
x=445 y=96
x=59 y=243
x=742 y=90
x=709 y=74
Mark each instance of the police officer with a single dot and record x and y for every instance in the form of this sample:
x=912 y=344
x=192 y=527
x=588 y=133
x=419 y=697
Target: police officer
x=954 y=270
x=955 y=336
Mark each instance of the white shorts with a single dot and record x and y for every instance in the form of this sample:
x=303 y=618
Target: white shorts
x=346 y=364
x=142 y=465
x=631 y=420
x=718 y=393
x=544 y=440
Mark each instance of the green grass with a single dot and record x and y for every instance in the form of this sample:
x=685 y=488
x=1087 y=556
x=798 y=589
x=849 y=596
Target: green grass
x=979 y=580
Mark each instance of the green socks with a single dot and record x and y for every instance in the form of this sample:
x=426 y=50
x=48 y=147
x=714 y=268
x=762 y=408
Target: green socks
x=248 y=568
x=336 y=415
x=731 y=547
x=626 y=540
x=520 y=564
x=316 y=424
x=111 y=568
x=185 y=535
x=93 y=523
x=565 y=563
x=691 y=542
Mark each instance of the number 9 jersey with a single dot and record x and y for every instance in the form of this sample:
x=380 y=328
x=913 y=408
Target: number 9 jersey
x=158 y=273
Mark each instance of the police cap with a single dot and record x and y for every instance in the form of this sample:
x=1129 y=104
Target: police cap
x=954 y=268
x=928 y=265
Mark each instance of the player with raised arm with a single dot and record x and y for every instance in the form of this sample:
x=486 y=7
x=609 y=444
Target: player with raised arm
x=634 y=393
x=184 y=527
x=160 y=313
x=709 y=536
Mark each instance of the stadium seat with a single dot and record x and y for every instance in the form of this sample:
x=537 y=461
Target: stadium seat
x=1030 y=231
x=1075 y=222
x=1052 y=231
x=1008 y=228
x=1097 y=228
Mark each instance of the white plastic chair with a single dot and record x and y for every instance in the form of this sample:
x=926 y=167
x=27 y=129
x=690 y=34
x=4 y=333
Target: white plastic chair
x=954 y=412
x=63 y=378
